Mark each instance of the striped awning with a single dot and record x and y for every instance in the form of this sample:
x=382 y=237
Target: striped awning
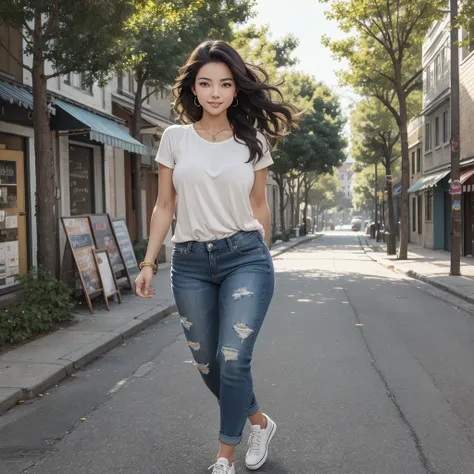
x=16 y=95
x=102 y=129
x=429 y=181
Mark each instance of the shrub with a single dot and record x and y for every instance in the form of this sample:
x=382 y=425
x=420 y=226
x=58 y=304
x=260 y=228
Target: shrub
x=47 y=302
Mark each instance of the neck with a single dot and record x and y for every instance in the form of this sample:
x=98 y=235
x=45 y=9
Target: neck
x=215 y=123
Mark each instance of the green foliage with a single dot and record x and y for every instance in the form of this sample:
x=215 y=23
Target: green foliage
x=140 y=250
x=363 y=191
x=46 y=302
x=163 y=33
x=75 y=36
x=324 y=193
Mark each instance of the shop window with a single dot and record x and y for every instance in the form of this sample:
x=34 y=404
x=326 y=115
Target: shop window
x=429 y=205
x=420 y=214
x=413 y=162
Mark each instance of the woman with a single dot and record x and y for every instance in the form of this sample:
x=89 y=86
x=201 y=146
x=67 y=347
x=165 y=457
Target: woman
x=214 y=168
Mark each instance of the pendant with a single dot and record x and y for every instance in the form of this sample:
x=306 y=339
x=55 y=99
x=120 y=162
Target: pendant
x=213 y=138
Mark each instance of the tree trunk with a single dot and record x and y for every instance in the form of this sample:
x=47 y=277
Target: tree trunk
x=392 y=241
x=46 y=176
x=137 y=163
x=404 y=208
x=298 y=203
x=291 y=189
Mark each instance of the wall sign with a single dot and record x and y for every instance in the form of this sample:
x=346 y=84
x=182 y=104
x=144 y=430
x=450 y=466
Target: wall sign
x=456 y=205
x=125 y=246
x=455 y=187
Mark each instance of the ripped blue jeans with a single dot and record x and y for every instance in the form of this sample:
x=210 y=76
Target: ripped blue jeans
x=222 y=290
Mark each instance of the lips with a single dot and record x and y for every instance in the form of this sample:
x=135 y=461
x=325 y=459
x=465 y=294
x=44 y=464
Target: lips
x=215 y=104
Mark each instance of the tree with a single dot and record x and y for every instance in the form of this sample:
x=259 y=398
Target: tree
x=159 y=39
x=73 y=36
x=363 y=190
x=374 y=136
x=323 y=193
x=384 y=59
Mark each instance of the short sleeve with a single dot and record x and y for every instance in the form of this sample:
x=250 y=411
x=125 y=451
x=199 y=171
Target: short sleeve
x=266 y=159
x=165 y=150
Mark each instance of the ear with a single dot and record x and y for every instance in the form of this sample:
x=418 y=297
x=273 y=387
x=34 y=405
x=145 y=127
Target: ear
x=193 y=90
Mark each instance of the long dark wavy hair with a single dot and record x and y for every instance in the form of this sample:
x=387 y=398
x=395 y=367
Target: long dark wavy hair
x=256 y=108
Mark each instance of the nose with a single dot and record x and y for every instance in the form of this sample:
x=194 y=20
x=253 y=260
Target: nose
x=215 y=92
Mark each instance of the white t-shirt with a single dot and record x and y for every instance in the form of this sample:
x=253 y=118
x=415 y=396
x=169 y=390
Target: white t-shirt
x=212 y=182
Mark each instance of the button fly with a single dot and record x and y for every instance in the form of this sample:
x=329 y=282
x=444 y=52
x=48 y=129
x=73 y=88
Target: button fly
x=209 y=246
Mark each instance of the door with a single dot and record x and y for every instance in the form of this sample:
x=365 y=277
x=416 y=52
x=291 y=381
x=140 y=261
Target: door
x=13 y=244
x=420 y=214
x=129 y=199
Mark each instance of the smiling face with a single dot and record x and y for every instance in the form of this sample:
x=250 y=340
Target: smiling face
x=215 y=88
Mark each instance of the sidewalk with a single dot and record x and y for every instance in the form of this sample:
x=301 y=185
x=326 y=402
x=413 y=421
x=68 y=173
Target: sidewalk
x=30 y=369
x=429 y=266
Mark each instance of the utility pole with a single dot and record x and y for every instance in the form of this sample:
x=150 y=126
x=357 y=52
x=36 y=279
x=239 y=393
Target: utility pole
x=456 y=187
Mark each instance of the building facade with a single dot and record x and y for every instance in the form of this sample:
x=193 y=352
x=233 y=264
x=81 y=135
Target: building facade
x=415 y=151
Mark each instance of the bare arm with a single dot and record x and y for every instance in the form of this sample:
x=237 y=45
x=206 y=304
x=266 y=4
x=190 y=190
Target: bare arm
x=162 y=213
x=259 y=202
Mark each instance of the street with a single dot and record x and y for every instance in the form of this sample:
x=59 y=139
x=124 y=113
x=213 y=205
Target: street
x=364 y=370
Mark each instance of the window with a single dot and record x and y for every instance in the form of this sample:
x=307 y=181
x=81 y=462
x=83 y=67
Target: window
x=413 y=163
x=120 y=81
x=85 y=86
x=131 y=85
x=147 y=92
x=437 y=131
x=67 y=79
x=341 y=176
x=437 y=68
x=445 y=127
x=418 y=160
x=429 y=205
x=413 y=212
x=427 y=137
x=428 y=78
x=420 y=210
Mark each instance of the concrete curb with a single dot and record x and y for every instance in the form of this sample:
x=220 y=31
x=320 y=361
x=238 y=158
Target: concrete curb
x=412 y=274
x=9 y=397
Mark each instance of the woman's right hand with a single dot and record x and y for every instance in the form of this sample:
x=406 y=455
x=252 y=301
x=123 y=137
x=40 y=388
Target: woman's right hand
x=143 y=287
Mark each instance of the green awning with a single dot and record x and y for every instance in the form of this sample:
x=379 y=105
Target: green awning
x=428 y=181
x=103 y=130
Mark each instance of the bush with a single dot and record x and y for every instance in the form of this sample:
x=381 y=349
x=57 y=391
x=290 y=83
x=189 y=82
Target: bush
x=140 y=250
x=47 y=302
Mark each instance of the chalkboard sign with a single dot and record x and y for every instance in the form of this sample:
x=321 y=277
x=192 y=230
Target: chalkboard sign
x=107 y=277
x=80 y=173
x=105 y=239
x=125 y=245
x=79 y=235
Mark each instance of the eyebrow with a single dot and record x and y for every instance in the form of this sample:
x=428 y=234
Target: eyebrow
x=210 y=80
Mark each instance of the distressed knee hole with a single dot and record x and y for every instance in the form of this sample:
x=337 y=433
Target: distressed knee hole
x=195 y=346
x=230 y=353
x=241 y=293
x=243 y=331
x=185 y=323
x=203 y=368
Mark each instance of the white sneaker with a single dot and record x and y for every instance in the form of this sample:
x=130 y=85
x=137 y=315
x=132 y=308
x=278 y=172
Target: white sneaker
x=222 y=467
x=258 y=444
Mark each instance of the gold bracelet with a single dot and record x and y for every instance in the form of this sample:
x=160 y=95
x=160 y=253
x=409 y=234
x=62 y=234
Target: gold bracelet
x=149 y=264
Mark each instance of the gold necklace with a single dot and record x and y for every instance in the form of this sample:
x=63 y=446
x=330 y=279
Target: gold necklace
x=213 y=136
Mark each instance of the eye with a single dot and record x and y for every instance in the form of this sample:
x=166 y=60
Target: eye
x=227 y=84
x=203 y=84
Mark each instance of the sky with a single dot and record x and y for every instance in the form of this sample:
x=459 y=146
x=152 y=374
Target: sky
x=305 y=19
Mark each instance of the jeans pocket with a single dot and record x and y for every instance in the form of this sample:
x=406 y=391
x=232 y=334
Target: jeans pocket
x=250 y=245
x=178 y=252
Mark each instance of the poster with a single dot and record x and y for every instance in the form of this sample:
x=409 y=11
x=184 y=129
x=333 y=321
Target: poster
x=108 y=281
x=105 y=239
x=125 y=245
x=12 y=258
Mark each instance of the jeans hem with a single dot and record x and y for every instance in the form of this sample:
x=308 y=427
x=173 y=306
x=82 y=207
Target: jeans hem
x=252 y=410
x=231 y=441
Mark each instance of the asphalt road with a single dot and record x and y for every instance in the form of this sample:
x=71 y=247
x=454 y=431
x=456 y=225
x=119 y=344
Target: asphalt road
x=365 y=371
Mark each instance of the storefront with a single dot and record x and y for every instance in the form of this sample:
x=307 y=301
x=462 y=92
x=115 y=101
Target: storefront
x=17 y=228
x=467 y=180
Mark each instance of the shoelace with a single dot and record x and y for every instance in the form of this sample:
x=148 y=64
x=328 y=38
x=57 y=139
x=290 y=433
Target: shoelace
x=219 y=468
x=254 y=441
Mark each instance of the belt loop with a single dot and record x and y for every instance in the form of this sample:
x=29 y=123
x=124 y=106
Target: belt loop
x=230 y=244
x=189 y=246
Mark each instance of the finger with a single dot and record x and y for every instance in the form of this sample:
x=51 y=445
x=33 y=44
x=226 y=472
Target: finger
x=139 y=288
